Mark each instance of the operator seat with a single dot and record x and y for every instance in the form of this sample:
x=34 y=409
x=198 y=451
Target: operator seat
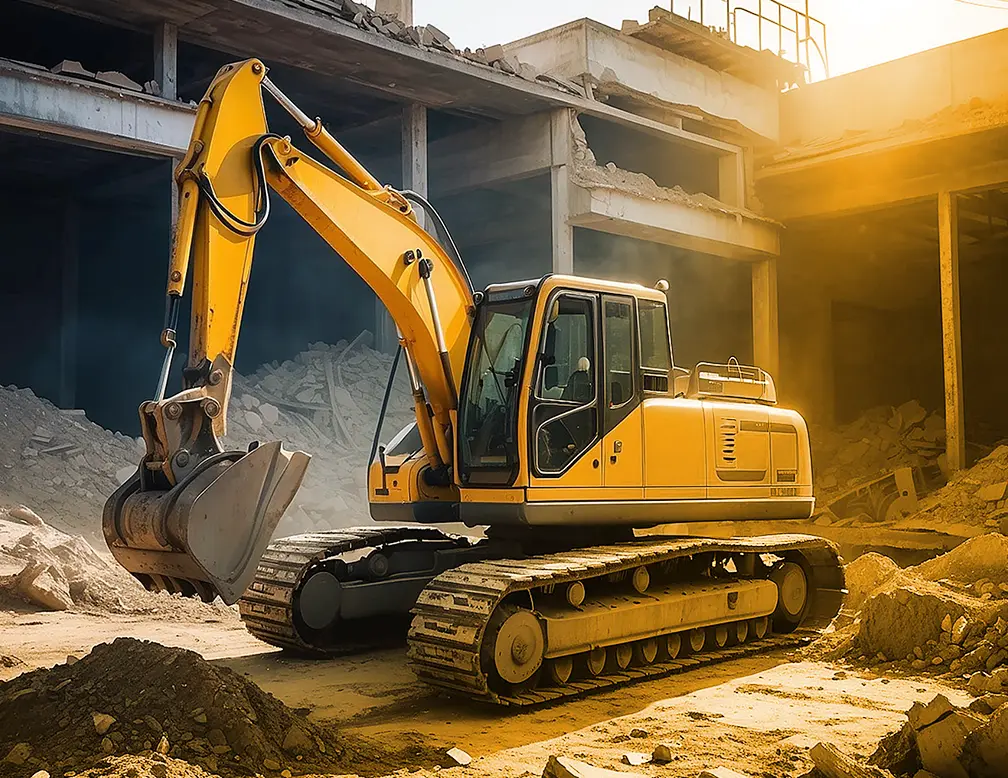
x=579 y=386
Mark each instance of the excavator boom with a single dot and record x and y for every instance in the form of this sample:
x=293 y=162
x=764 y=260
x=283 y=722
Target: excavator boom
x=196 y=518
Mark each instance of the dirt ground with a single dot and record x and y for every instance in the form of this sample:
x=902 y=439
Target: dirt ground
x=756 y=712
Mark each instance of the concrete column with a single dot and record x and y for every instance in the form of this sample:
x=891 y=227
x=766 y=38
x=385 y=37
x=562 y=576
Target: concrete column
x=766 y=345
x=414 y=176
x=732 y=179
x=69 y=289
x=166 y=59
x=948 y=259
x=400 y=9
x=560 y=191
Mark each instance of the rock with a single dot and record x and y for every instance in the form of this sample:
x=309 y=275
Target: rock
x=71 y=660
x=662 y=754
x=102 y=722
x=459 y=756
x=946 y=624
x=941 y=731
x=107 y=746
x=985 y=752
x=253 y=421
x=993 y=492
x=297 y=741
x=163 y=746
x=39 y=586
x=123 y=474
x=269 y=413
x=271 y=764
x=635 y=759
x=565 y=767
x=26 y=515
x=638 y=732
x=159 y=770
x=40 y=774
x=721 y=772
x=18 y=754
x=286 y=774
x=153 y=724
x=959 y=630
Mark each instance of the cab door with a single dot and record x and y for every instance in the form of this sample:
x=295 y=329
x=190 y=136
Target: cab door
x=622 y=434
x=564 y=408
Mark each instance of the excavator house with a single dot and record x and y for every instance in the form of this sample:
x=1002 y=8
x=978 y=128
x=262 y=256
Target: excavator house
x=548 y=412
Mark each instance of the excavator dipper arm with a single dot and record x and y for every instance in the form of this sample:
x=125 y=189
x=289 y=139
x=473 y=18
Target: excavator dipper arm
x=196 y=518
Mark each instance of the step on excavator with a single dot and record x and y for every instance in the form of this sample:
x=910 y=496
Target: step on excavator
x=549 y=413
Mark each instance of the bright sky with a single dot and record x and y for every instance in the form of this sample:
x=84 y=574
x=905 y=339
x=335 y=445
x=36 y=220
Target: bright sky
x=860 y=32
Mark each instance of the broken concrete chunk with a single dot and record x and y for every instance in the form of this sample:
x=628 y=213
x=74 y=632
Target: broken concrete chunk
x=115 y=78
x=993 y=492
x=26 y=515
x=941 y=742
x=297 y=741
x=985 y=752
x=71 y=67
x=722 y=772
x=635 y=759
x=565 y=767
x=459 y=756
x=494 y=53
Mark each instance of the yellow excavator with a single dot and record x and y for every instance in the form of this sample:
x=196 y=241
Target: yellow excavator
x=548 y=412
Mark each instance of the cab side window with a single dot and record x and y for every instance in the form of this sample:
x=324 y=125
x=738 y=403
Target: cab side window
x=565 y=412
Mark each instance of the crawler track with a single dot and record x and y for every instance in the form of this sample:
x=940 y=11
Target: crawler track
x=268 y=607
x=452 y=614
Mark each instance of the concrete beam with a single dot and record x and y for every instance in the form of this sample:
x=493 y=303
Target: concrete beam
x=881 y=173
x=765 y=333
x=608 y=58
x=560 y=191
x=948 y=258
x=64 y=108
x=166 y=59
x=732 y=179
x=673 y=223
x=506 y=151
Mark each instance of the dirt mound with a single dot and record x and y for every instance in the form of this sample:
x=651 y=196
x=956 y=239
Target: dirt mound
x=949 y=614
x=70 y=575
x=137 y=697
x=983 y=558
x=155 y=766
x=866 y=574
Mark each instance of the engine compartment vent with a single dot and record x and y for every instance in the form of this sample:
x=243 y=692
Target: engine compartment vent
x=727 y=432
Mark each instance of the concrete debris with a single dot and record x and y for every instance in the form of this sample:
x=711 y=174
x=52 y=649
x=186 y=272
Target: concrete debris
x=58 y=462
x=71 y=67
x=635 y=759
x=115 y=78
x=565 y=767
x=948 y=615
x=587 y=173
x=721 y=772
x=145 y=694
x=968 y=497
x=324 y=401
x=431 y=38
x=50 y=570
x=879 y=441
x=459 y=757
x=945 y=741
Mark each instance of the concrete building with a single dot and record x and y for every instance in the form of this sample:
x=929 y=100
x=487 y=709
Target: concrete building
x=847 y=235
x=893 y=184
x=581 y=149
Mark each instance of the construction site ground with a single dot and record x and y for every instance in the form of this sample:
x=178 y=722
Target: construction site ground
x=758 y=711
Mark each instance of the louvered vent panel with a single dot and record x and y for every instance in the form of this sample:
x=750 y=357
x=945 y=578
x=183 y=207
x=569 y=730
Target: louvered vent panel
x=726 y=443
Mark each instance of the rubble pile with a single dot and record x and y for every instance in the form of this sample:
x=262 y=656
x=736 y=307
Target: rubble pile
x=44 y=568
x=880 y=440
x=976 y=496
x=938 y=740
x=947 y=615
x=326 y=402
x=430 y=37
x=58 y=462
x=136 y=697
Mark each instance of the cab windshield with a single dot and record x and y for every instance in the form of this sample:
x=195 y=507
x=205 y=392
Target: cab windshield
x=488 y=421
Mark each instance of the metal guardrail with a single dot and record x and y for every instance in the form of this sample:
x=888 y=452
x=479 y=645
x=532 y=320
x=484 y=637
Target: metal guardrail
x=768 y=20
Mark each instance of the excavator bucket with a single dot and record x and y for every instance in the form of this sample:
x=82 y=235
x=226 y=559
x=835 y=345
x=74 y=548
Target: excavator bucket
x=205 y=535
